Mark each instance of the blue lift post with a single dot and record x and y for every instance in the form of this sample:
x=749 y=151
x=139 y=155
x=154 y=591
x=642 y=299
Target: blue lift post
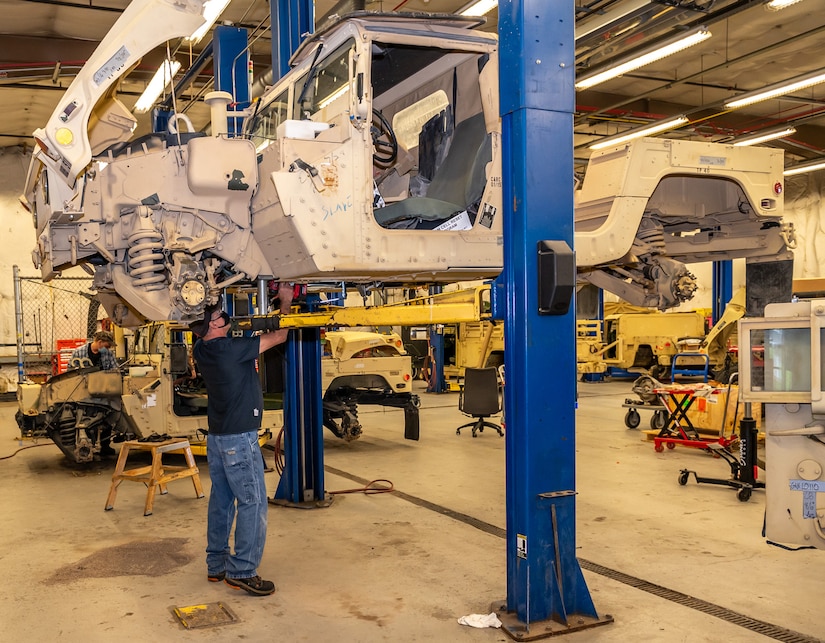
x=546 y=591
x=722 y=287
x=302 y=483
x=290 y=20
x=231 y=62
x=436 y=383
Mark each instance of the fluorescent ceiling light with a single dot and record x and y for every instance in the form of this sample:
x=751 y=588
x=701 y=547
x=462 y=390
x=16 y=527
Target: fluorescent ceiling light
x=602 y=19
x=645 y=58
x=639 y=132
x=811 y=166
x=479 y=8
x=776 y=5
x=764 y=137
x=212 y=9
x=163 y=76
x=777 y=89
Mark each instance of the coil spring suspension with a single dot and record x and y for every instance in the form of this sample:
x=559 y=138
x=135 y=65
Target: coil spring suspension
x=64 y=426
x=653 y=235
x=146 y=259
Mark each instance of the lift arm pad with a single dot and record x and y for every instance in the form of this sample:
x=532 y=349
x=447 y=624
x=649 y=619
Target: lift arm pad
x=265 y=323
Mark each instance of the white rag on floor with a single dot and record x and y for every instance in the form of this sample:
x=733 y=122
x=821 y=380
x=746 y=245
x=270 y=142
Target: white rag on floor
x=480 y=620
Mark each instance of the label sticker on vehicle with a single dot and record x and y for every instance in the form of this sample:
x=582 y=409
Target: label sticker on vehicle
x=111 y=66
x=461 y=221
x=521 y=546
x=488 y=213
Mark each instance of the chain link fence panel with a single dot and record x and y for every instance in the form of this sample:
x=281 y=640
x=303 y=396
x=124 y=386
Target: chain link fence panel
x=57 y=316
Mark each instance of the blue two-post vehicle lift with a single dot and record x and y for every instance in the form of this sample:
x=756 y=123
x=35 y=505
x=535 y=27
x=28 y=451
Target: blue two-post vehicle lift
x=546 y=591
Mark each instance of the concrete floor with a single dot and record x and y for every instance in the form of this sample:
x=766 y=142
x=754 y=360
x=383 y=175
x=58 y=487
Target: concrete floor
x=382 y=568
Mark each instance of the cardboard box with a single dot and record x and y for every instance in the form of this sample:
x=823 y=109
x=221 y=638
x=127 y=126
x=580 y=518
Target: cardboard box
x=708 y=413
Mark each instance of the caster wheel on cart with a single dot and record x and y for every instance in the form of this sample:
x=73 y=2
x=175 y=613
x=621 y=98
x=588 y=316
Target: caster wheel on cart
x=744 y=494
x=658 y=420
x=632 y=419
x=659 y=448
x=683 y=478
x=671 y=445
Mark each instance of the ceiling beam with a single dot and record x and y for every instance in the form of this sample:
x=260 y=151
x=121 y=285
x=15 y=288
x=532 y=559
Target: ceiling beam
x=43 y=49
x=77 y=5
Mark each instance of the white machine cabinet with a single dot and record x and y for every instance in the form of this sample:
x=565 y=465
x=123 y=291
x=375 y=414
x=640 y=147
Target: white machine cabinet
x=781 y=366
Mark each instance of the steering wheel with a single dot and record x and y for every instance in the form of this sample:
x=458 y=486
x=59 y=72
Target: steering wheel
x=384 y=142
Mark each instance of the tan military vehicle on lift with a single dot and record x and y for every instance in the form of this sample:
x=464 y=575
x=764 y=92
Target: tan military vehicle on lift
x=376 y=158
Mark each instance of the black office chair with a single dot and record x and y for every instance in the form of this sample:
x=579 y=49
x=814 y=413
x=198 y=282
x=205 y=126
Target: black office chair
x=479 y=398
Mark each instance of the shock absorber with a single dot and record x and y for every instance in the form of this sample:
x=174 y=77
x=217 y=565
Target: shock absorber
x=145 y=253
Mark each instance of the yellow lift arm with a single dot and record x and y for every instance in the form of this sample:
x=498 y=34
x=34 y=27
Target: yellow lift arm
x=444 y=308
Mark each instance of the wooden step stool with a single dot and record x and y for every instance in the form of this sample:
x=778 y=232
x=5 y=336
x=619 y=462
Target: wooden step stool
x=155 y=475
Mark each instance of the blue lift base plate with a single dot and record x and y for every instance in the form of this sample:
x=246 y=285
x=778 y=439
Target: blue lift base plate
x=325 y=502
x=519 y=631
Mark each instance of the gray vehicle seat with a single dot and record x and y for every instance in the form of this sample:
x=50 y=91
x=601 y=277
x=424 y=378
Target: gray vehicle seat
x=457 y=183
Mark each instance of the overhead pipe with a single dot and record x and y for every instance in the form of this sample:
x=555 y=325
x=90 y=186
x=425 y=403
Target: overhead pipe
x=810 y=115
x=198 y=66
x=190 y=75
x=704 y=19
x=603 y=21
x=699 y=74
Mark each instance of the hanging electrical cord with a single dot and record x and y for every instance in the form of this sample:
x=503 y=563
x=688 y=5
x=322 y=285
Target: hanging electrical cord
x=31 y=446
x=372 y=487
x=280 y=460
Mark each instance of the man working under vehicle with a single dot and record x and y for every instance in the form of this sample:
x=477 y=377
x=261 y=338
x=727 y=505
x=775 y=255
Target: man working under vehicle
x=98 y=353
x=235 y=408
x=95 y=353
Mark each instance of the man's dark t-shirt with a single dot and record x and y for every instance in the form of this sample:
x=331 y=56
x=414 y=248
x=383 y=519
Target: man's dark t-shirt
x=227 y=365
x=94 y=357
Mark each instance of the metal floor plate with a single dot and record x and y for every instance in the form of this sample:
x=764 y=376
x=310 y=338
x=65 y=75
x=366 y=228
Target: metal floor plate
x=206 y=615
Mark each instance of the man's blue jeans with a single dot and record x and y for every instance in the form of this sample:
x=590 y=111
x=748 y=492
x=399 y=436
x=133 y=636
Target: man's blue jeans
x=237 y=472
